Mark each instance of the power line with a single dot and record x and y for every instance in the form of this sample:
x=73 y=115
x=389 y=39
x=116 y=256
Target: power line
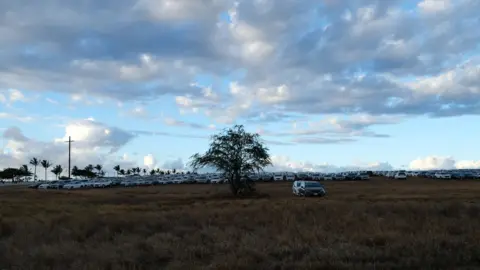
x=69 y=154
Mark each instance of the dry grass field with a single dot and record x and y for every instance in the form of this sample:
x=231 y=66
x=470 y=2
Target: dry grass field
x=379 y=224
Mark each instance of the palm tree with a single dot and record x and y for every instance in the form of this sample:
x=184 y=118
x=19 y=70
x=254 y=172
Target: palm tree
x=34 y=162
x=45 y=164
x=117 y=169
x=129 y=172
x=99 y=168
x=152 y=172
x=25 y=171
x=75 y=171
x=89 y=168
x=57 y=170
x=122 y=172
x=137 y=170
x=144 y=171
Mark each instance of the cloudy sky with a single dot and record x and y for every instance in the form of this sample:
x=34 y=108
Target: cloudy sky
x=328 y=84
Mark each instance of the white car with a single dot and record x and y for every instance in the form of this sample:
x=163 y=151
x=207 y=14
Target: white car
x=74 y=185
x=400 y=175
x=290 y=176
x=308 y=188
x=278 y=177
x=440 y=175
x=128 y=183
x=216 y=179
x=202 y=179
x=327 y=177
x=102 y=183
x=44 y=186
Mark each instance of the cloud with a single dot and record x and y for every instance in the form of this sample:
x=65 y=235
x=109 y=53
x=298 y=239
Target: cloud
x=442 y=162
x=137 y=112
x=11 y=96
x=167 y=134
x=5 y=115
x=284 y=163
x=169 y=121
x=52 y=101
x=149 y=161
x=357 y=64
x=175 y=164
x=14 y=133
x=374 y=57
x=334 y=129
x=94 y=143
x=89 y=133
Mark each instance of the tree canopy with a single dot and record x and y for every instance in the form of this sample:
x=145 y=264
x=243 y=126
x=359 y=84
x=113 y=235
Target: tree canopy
x=14 y=173
x=236 y=153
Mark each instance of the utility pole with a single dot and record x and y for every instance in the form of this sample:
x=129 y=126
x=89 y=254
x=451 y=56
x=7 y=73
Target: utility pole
x=69 y=154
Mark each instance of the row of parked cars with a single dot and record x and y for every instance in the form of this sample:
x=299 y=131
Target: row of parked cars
x=209 y=178
x=437 y=174
x=130 y=181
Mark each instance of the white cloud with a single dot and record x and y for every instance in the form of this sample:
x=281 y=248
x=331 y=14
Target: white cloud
x=176 y=164
x=94 y=143
x=16 y=95
x=434 y=6
x=4 y=115
x=11 y=96
x=442 y=162
x=284 y=163
x=89 y=133
x=52 y=101
x=149 y=161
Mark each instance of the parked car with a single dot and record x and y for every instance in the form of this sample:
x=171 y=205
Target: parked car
x=328 y=177
x=289 y=176
x=400 y=176
x=35 y=185
x=278 y=177
x=308 y=188
x=74 y=185
x=441 y=175
x=216 y=179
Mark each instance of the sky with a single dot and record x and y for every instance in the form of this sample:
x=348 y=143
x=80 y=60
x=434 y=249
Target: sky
x=329 y=85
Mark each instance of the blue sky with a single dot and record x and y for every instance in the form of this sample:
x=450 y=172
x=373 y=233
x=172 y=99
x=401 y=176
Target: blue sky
x=142 y=83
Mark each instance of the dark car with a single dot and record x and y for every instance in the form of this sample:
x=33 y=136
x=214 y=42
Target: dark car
x=308 y=188
x=35 y=185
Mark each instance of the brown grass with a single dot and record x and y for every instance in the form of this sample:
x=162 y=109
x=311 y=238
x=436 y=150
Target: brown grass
x=380 y=224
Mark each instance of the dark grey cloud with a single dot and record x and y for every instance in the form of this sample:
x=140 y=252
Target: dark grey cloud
x=15 y=134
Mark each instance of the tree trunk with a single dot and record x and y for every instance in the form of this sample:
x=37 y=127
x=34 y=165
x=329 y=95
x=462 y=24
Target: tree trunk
x=233 y=185
x=45 y=174
x=35 y=177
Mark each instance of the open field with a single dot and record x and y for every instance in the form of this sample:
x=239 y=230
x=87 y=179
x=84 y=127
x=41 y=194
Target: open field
x=382 y=224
